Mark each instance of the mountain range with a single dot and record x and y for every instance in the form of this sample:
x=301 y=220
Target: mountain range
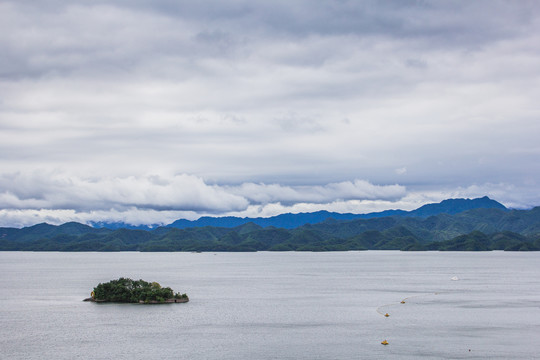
x=455 y=224
x=291 y=221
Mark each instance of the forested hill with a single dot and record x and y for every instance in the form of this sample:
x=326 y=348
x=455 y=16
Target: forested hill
x=476 y=229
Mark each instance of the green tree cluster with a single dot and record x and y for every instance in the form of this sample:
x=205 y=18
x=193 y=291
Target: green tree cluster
x=133 y=291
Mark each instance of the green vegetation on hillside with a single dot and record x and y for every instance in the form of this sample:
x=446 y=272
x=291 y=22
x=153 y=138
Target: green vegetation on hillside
x=135 y=291
x=473 y=230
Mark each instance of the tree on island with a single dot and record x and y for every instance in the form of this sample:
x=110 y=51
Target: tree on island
x=126 y=290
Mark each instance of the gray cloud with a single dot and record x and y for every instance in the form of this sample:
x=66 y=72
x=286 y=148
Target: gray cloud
x=61 y=191
x=260 y=200
x=346 y=190
x=265 y=105
x=63 y=196
x=64 y=192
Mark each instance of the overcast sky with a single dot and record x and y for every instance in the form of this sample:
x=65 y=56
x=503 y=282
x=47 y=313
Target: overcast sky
x=150 y=111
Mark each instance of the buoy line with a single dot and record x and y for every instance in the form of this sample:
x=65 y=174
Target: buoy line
x=403 y=301
x=419 y=295
x=383 y=313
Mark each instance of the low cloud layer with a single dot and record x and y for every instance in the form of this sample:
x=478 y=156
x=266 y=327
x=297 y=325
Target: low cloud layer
x=60 y=191
x=30 y=198
x=254 y=107
x=59 y=195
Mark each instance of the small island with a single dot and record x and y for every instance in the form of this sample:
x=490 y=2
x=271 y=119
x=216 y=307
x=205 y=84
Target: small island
x=125 y=290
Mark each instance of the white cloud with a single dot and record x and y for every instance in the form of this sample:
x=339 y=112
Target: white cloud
x=62 y=191
x=56 y=190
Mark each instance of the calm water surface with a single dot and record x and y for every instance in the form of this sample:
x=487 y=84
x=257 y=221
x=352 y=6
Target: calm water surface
x=275 y=306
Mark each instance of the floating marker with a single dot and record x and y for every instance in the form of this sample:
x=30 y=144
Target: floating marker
x=384 y=342
x=387 y=315
x=403 y=301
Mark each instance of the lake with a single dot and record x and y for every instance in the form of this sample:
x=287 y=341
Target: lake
x=275 y=305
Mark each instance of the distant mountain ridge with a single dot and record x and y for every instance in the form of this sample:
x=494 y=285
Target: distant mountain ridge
x=480 y=229
x=291 y=221
x=455 y=206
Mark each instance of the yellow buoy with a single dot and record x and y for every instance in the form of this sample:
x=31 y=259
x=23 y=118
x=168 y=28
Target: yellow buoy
x=384 y=342
x=403 y=301
x=387 y=315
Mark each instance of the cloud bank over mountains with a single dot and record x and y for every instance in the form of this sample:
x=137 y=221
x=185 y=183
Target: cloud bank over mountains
x=57 y=198
x=124 y=199
x=151 y=111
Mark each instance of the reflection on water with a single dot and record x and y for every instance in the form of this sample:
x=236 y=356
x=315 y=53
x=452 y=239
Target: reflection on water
x=275 y=306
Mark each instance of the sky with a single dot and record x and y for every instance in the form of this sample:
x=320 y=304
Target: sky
x=149 y=111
